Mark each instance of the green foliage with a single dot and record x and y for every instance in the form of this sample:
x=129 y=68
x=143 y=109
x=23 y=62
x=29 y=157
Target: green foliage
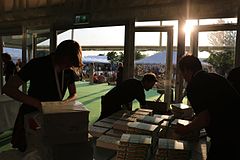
x=139 y=55
x=222 y=61
x=121 y=56
x=115 y=57
x=112 y=57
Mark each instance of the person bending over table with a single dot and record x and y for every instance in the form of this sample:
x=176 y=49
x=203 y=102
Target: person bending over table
x=49 y=78
x=125 y=93
x=234 y=78
x=214 y=101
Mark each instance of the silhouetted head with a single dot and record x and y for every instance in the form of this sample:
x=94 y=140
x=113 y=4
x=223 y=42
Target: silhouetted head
x=148 y=81
x=6 y=57
x=188 y=66
x=120 y=64
x=68 y=54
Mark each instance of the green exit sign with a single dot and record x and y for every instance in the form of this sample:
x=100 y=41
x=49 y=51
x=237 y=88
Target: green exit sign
x=81 y=19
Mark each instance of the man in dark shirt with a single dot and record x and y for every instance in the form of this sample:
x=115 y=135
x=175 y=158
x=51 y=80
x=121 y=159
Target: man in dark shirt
x=119 y=74
x=213 y=98
x=234 y=78
x=9 y=68
x=125 y=93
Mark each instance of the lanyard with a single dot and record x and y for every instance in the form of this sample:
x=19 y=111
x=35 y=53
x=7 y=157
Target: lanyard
x=60 y=90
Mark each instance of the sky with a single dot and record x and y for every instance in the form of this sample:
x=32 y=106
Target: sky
x=114 y=36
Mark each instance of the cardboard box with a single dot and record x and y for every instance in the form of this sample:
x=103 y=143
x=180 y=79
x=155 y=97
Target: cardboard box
x=65 y=123
x=73 y=151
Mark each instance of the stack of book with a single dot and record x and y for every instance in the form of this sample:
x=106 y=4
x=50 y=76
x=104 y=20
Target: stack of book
x=164 y=116
x=103 y=124
x=145 y=129
x=121 y=125
x=114 y=133
x=128 y=118
x=146 y=110
x=108 y=142
x=150 y=120
x=134 y=147
x=168 y=130
x=143 y=111
x=119 y=114
x=182 y=111
x=172 y=150
x=96 y=131
x=108 y=120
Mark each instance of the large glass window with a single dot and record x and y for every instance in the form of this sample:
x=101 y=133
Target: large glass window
x=151 y=56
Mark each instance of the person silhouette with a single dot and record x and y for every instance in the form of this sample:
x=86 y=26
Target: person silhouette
x=50 y=77
x=210 y=96
x=9 y=68
x=119 y=78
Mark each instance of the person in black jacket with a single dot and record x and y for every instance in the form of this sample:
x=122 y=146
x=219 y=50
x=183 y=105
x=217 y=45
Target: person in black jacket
x=125 y=93
x=213 y=100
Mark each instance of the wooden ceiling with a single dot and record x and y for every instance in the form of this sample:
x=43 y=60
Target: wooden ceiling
x=15 y=13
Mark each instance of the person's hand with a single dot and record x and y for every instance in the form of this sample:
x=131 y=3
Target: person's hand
x=37 y=104
x=181 y=129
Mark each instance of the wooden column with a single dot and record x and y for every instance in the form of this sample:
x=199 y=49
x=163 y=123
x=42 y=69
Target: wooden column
x=169 y=67
x=53 y=39
x=194 y=42
x=237 y=49
x=129 y=56
x=180 y=53
x=24 y=53
x=1 y=65
x=34 y=46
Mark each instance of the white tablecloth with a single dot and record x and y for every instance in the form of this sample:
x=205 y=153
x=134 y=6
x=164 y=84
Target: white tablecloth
x=8 y=112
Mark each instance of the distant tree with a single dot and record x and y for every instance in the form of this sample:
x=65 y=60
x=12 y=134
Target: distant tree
x=115 y=57
x=222 y=60
x=112 y=57
x=139 y=55
x=121 y=56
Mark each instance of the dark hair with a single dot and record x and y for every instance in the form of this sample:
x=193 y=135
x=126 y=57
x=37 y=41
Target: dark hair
x=71 y=49
x=6 y=57
x=189 y=62
x=149 y=77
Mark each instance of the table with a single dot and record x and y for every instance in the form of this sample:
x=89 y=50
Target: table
x=8 y=112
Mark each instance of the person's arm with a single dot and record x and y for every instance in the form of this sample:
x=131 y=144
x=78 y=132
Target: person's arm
x=11 y=88
x=200 y=121
x=72 y=93
x=141 y=98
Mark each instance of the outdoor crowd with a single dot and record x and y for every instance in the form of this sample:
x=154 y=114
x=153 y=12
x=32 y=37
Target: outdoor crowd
x=213 y=98
x=9 y=67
